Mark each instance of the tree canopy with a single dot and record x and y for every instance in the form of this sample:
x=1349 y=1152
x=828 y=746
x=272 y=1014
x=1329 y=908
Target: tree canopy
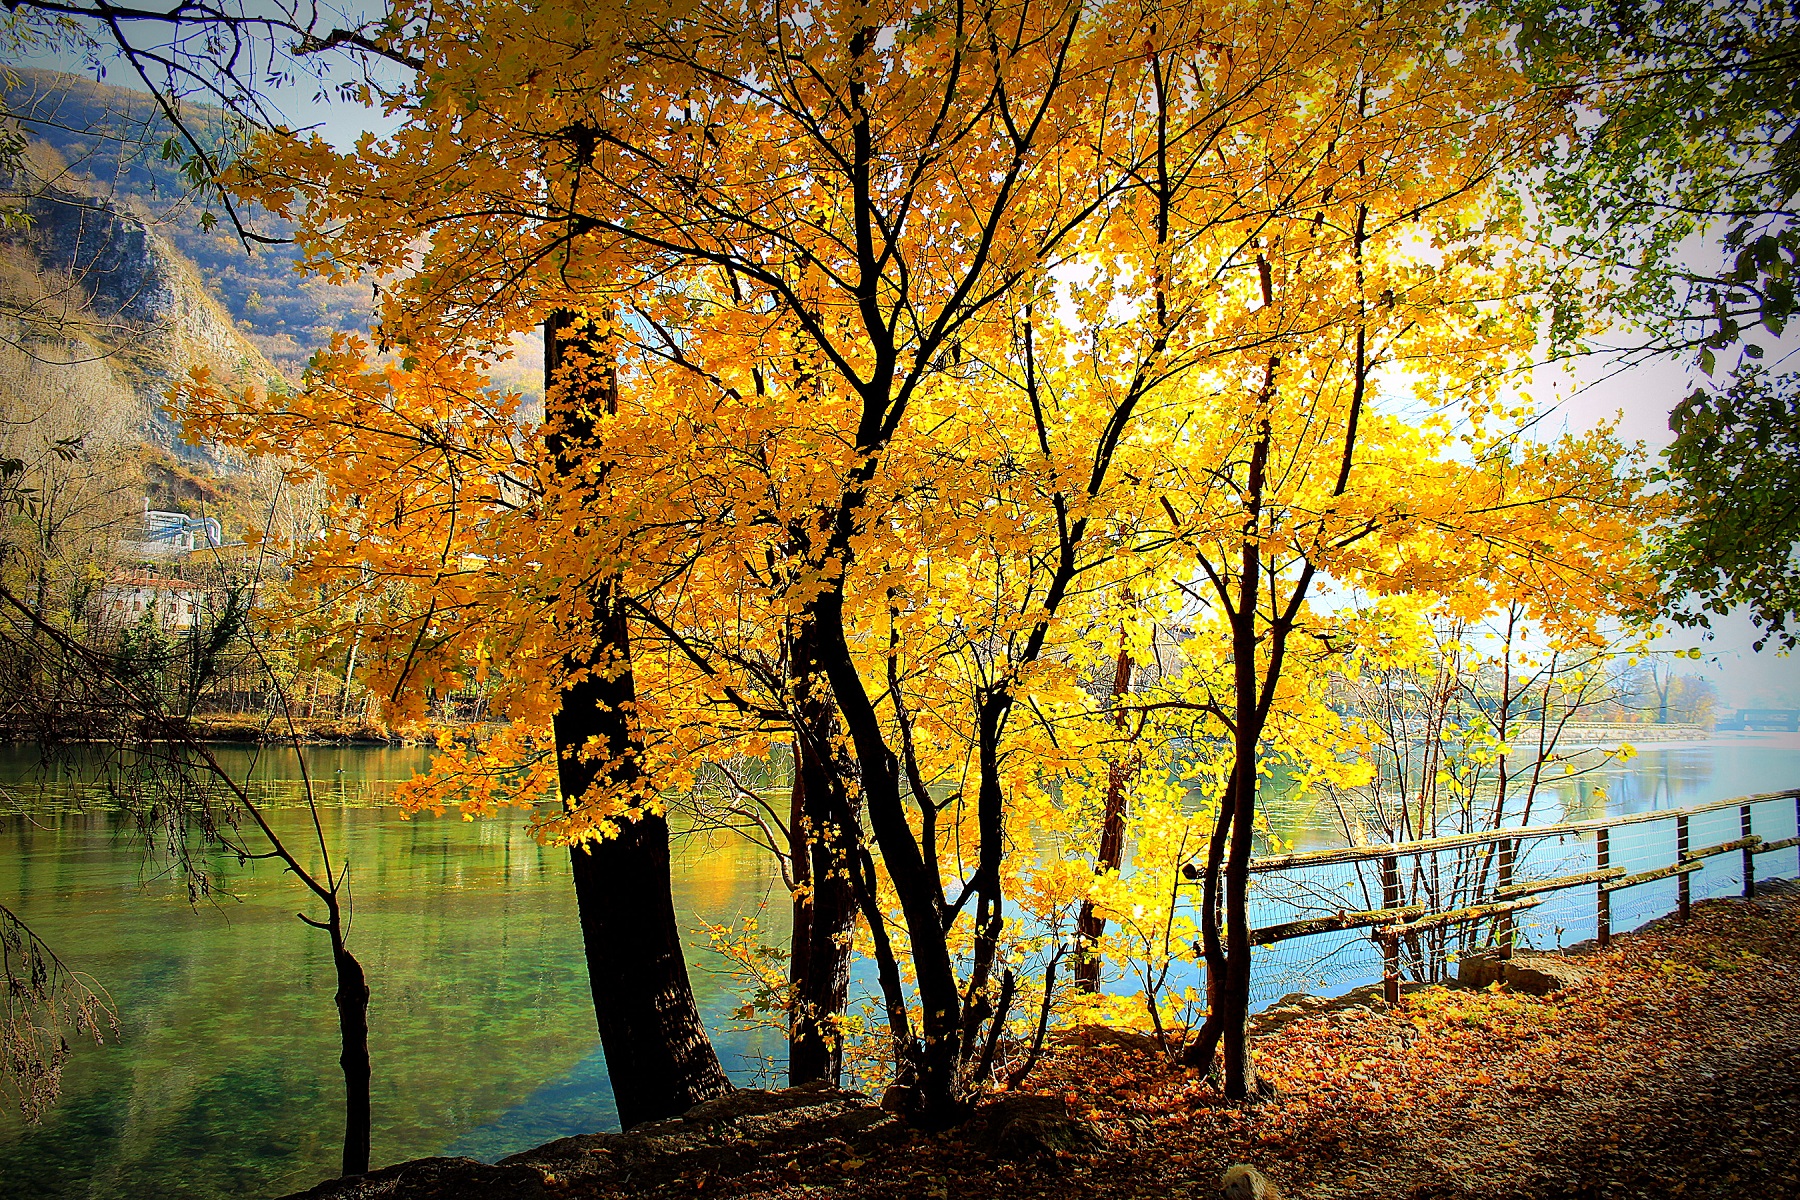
x=945 y=351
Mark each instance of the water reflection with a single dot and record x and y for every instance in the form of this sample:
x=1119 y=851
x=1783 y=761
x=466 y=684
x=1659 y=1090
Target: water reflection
x=225 y=1081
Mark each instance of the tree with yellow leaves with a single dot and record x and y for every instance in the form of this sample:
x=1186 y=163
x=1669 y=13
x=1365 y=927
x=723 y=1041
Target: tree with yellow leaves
x=918 y=348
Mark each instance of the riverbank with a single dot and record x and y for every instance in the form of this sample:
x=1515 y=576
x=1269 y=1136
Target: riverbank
x=1670 y=1065
x=248 y=729
x=312 y=731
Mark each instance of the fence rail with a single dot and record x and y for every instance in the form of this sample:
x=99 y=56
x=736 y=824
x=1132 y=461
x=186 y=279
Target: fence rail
x=1464 y=892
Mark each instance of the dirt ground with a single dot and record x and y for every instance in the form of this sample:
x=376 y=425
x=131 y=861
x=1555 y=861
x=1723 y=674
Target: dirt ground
x=1671 y=1069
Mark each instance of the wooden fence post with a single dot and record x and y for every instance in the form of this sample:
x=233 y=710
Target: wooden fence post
x=1684 y=896
x=1603 y=906
x=1749 y=853
x=1504 y=933
x=1390 y=941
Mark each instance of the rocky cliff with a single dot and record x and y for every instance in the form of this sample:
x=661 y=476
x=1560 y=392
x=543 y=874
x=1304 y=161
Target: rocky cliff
x=88 y=280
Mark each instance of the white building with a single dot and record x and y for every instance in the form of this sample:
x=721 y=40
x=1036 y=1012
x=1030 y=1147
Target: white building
x=177 y=605
x=173 y=534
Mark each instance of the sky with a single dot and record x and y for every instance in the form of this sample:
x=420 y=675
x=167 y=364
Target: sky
x=1639 y=398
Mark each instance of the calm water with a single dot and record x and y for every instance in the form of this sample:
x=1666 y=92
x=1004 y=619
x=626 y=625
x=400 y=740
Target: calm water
x=225 y=1082
x=1662 y=775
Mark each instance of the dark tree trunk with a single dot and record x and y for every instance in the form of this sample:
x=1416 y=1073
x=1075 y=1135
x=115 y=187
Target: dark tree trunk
x=1228 y=852
x=829 y=822
x=1253 y=687
x=353 y=1038
x=1233 y=1009
x=815 y=1047
x=1234 y=988
x=800 y=936
x=939 y=1103
x=1200 y=1051
x=1088 y=923
x=657 y=1053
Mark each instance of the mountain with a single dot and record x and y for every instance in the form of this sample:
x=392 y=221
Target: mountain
x=84 y=281
x=103 y=145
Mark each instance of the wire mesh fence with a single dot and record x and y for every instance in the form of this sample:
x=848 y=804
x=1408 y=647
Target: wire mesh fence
x=1328 y=921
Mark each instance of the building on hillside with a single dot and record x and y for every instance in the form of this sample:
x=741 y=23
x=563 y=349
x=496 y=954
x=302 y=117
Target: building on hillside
x=173 y=534
x=175 y=605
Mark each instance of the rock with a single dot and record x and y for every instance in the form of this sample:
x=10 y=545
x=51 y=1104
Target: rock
x=713 y=1136
x=435 y=1179
x=1031 y=1126
x=1480 y=970
x=1244 y=1182
x=1542 y=974
x=755 y=1102
x=1532 y=974
x=899 y=1098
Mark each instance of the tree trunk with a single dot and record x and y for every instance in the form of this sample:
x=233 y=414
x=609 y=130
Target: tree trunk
x=1234 y=990
x=349 y=677
x=1089 y=924
x=822 y=987
x=40 y=601
x=829 y=822
x=800 y=934
x=1200 y=1051
x=657 y=1053
x=1233 y=1008
x=1228 y=966
x=939 y=1103
x=353 y=1037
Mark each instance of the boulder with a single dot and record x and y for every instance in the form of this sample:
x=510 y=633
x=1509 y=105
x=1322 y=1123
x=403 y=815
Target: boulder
x=1542 y=974
x=1480 y=970
x=1532 y=974
x=1031 y=1126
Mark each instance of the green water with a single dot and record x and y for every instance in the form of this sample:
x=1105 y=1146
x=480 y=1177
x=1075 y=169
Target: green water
x=224 y=1079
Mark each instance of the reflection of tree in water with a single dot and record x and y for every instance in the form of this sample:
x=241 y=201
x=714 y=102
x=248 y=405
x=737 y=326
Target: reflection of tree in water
x=1652 y=779
x=468 y=926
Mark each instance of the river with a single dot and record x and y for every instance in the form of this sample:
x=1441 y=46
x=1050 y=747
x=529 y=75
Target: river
x=224 y=1082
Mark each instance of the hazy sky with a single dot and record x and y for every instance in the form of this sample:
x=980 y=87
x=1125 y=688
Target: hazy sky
x=1640 y=399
